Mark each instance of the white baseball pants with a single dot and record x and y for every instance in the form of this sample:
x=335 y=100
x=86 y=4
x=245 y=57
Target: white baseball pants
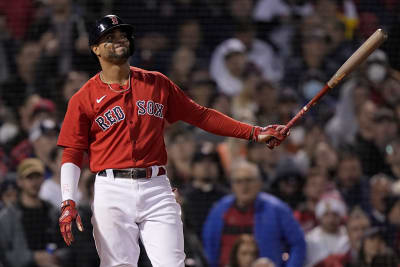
x=127 y=209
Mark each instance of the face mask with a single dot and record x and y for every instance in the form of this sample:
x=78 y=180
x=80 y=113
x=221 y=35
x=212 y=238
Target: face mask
x=311 y=88
x=376 y=73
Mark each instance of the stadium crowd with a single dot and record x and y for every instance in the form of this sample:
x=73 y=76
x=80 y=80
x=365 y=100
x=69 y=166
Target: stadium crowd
x=329 y=195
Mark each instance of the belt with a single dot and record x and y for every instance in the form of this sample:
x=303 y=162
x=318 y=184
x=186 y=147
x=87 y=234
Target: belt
x=134 y=173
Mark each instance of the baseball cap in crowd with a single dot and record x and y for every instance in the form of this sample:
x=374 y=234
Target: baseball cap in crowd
x=330 y=203
x=233 y=45
x=43 y=105
x=46 y=126
x=29 y=166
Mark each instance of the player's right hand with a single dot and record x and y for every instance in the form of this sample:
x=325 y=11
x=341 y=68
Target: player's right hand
x=69 y=214
x=272 y=135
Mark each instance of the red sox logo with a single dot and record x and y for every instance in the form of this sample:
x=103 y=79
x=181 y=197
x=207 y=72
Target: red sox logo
x=114 y=20
x=110 y=117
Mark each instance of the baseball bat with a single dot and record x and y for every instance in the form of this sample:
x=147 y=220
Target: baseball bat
x=369 y=46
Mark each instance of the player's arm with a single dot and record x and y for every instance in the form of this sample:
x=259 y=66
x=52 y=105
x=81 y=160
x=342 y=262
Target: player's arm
x=70 y=172
x=74 y=136
x=181 y=107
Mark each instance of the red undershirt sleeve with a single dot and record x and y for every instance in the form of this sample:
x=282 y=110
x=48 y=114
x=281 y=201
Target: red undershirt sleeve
x=181 y=107
x=73 y=155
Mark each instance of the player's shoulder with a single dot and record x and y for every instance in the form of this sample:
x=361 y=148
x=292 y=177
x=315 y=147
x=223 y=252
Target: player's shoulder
x=148 y=75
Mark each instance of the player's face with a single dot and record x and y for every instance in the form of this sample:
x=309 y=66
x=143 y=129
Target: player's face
x=114 y=47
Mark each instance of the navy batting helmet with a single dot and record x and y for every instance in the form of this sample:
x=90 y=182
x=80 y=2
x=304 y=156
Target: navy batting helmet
x=108 y=23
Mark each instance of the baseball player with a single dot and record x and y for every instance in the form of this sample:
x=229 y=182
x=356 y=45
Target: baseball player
x=118 y=118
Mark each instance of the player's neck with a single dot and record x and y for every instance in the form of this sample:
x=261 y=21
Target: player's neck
x=115 y=73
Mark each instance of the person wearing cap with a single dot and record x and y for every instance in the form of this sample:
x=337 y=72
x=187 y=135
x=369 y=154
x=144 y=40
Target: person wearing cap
x=250 y=211
x=330 y=236
x=27 y=227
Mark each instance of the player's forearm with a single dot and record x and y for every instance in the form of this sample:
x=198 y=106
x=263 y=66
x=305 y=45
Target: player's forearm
x=218 y=123
x=70 y=172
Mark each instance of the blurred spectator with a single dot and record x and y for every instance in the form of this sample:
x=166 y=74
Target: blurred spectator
x=244 y=252
x=8 y=193
x=18 y=15
x=21 y=83
x=330 y=237
x=374 y=251
x=182 y=62
x=70 y=84
x=7 y=52
x=201 y=90
x=277 y=19
x=326 y=158
x=181 y=148
x=350 y=181
x=63 y=37
x=342 y=127
x=260 y=53
x=288 y=183
x=228 y=65
x=390 y=89
x=30 y=227
x=340 y=48
x=380 y=188
x=315 y=186
x=151 y=51
x=357 y=224
x=266 y=99
x=307 y=71
x=33 y=112
x=249 y=211
x=386 y=129
x=204 y=189
x=344 y=10
x=372 y=160
x=266 y=160
x=377 y=72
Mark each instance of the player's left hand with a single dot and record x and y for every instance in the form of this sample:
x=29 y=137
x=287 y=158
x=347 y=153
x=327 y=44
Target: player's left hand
x=272 y=135
x=69 y=214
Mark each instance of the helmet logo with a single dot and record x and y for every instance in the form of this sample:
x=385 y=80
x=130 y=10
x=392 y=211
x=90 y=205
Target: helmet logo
x=114 y=20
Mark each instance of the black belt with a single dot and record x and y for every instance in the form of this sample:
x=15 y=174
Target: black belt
x=134 y=173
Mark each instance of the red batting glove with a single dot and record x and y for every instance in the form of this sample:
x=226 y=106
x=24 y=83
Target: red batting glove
x=272 y=135
x=68 y=215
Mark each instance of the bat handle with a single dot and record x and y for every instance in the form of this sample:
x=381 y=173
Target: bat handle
x=306 y=108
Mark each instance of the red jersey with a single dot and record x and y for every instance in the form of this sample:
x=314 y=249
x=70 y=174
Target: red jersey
x=125 y=129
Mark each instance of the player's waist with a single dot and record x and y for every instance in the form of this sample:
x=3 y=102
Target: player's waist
x=134 y=173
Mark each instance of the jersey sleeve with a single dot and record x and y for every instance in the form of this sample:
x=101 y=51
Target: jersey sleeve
x=181 y=107
x=75 y=127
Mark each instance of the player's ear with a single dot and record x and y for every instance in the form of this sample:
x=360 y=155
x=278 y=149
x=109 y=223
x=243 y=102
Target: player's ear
x=95 y=49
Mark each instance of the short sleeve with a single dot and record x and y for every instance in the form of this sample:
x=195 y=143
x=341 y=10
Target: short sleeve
x=75 y=127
